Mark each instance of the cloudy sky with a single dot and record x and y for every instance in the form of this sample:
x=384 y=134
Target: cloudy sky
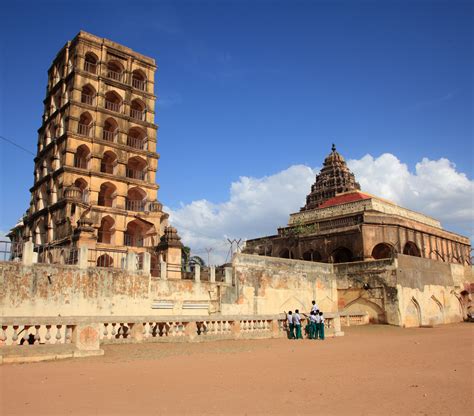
x=251 y=94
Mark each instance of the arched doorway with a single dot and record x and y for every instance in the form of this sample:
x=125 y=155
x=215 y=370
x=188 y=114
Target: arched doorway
x=382 y=251
x=341 y=255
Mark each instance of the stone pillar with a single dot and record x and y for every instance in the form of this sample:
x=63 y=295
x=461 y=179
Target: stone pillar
x=137 y=332
x=86 y=339
x=228 y=275
x=190 y=330
x=163 y=266
x=170 y=248
x=275 y=328
x=197 y=273
x=83 y=257
x=235 y=329
x=28 y=257
x=212 y=273
x=337 y=326
x=146 y=262
x=131 y=262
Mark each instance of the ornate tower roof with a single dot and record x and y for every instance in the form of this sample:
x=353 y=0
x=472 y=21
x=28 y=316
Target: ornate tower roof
x=334 y=178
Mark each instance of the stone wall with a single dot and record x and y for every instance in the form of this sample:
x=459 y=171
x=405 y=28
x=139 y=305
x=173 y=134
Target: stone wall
x=60 y=290
x=268 y=285
x=406 y=291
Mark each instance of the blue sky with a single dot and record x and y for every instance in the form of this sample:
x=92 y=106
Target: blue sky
x=250 y=88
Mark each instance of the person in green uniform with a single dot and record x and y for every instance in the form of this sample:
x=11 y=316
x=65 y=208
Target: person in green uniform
x=297 y=324
x=291 y=327
x=312 y=325
x=321 y=326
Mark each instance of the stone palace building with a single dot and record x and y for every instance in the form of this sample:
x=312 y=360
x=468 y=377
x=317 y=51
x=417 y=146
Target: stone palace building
x=96 y=163
x=341 y=224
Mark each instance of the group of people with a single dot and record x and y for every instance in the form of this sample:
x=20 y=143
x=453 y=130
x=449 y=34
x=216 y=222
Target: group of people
x=314 y=328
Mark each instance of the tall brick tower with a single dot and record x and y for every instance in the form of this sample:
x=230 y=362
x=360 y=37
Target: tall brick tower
x=94 y=177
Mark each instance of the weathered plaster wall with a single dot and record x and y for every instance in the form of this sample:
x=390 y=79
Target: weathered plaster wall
x=267 y=285
x=52 y=290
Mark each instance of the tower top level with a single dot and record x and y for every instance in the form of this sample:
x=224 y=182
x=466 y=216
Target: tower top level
x=334 y=178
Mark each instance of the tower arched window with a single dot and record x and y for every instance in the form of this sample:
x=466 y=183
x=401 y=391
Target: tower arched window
x=138 y=234
x=106 y=230
x=88 y=94
x=136 y=168
x=137 y=138
x=85 y=124
x=110 y=130
x=108 y=163
x=82 y=156
x=136 y=199
x=107 y=195
x=115 y=70
x=83 y=186
x=90 y=63
x=137 y=110
x=139 y=80
x=113 y=101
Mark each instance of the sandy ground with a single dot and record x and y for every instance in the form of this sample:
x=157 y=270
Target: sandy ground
x=373 y=370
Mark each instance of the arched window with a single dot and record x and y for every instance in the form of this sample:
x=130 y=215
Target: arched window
x=105 y=261
x=311 y=255
x=41 y=232
x=136 y=199
x=113 y=101
x=136 y=168
x=284 y=253
x=137 y=138
x=107 y=195
x=341 y=255
x=139 y=80
x=85 y=124
x=83 y=186
x=411 y=249
x=108 y=163
x=82 y=156
x=138 y=234
x=106 y=230
x=115 y=70
x=90 y=63
x=88 y=94
x=110 y=130
x=382 y=251
x=137 y=110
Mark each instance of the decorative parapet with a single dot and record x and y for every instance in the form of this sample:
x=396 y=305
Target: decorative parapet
x=373 y=204
x=36 y=338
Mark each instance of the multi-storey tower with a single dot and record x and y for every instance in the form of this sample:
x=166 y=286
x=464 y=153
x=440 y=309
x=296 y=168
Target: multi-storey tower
x=96 y=161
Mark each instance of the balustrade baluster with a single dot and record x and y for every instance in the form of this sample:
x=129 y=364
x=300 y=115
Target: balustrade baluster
x=68 y=335
x=3 y=335
x=114 y=332
x=37 y=334
x=58 y=334
x=26 y=334
x=106 y=331
x=47 y=337
x=15 y=333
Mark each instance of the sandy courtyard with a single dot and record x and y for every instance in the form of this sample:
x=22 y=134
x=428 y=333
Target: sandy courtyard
x=373 y=370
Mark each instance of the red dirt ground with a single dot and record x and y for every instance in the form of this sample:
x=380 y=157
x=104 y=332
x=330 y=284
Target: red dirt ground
x=373 y=370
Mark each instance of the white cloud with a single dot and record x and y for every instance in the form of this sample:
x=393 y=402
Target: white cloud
x=257 y=206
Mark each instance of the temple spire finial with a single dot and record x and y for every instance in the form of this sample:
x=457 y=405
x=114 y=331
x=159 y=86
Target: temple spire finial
x=333 y=148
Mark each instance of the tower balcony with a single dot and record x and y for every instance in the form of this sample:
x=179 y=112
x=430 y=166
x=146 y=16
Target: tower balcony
x=137 y=114
x=110 y=136
x=137 y=142
x=136 y=174
x=142 y=206
x=90 y=67
x=138 y=84
x=109 y=105
x=84 y=129
x=117 y=76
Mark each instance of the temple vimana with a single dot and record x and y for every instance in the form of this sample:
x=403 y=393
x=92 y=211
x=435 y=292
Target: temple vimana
x=94 y=260
x=341 y=224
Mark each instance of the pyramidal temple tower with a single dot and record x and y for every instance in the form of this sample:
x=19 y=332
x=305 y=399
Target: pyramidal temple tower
x=95 y=168
x=334 y=178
